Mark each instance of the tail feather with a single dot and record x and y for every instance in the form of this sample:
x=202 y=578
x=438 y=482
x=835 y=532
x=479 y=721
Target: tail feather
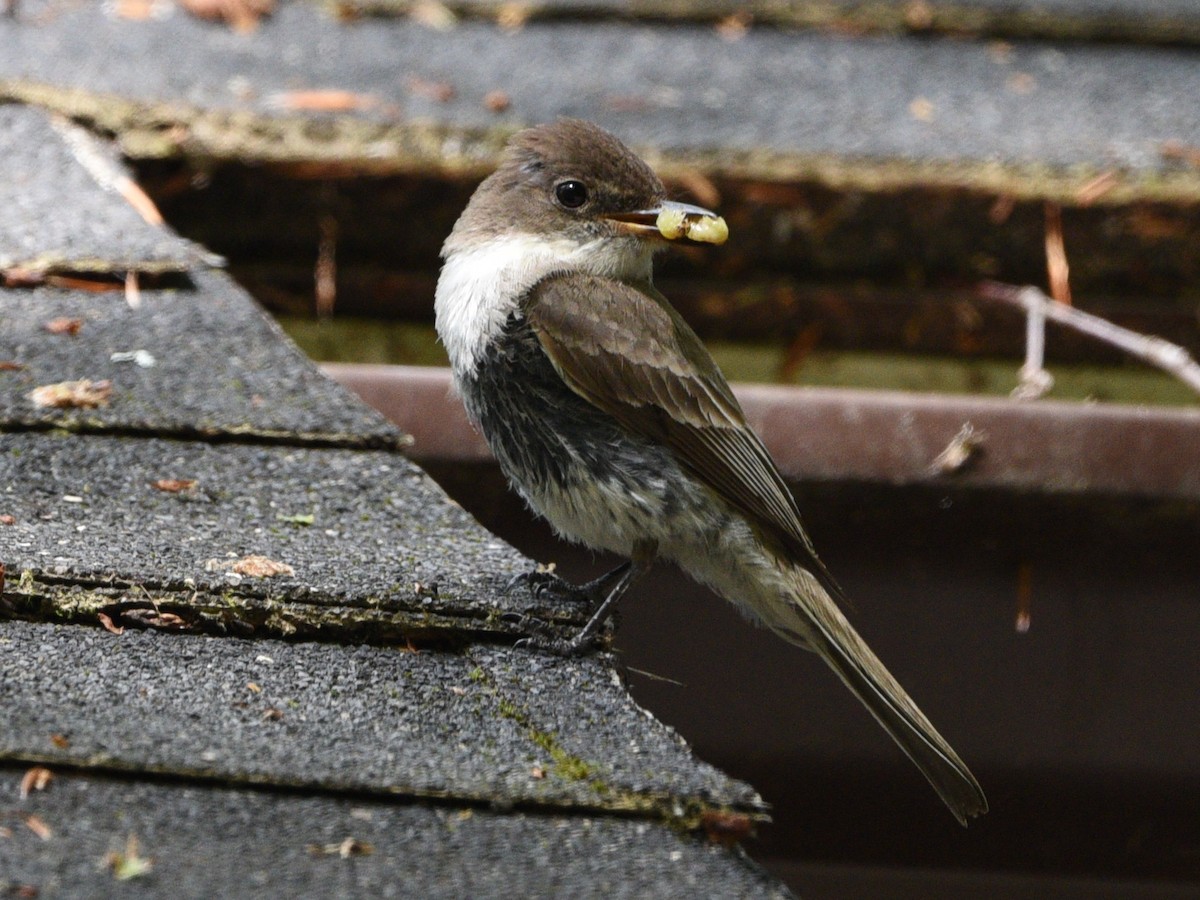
x=811 y=619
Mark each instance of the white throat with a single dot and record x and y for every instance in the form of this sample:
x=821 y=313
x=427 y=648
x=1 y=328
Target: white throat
x=481 y=285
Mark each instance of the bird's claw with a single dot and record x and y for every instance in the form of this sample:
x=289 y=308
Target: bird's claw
x=541 y=637
x=545 y=585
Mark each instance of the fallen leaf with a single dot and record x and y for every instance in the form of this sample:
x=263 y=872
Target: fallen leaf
x=82 y=394
x=242 y=15
x=38 y=827
x=331 y=100
x=173 y=485
x=537 y=772
x=107 y=622
x=64 y=325
x=153 y=617
x=135 y=10
x=496 y=101
x=35 y=779
x=8 y=365
x=272 y=714
x=256 y=566
x=19 y=277
x=8 y=520
x=254 y=687
x=61 y=741
x=92 y=285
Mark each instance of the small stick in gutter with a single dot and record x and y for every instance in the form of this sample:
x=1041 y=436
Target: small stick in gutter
x=1057 y=269
x=325 y=273
x=1169 y=357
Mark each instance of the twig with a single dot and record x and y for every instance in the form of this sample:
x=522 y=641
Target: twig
x=1057 y=269
x=325 y=272
x=102 y=163
x=1167 y=356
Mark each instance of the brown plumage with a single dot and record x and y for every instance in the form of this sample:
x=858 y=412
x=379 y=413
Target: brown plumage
x=611 y=418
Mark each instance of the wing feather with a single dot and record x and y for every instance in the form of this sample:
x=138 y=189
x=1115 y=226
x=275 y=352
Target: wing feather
x=629 y=353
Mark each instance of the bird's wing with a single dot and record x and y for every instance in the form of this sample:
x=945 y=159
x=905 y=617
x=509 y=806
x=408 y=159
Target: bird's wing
x=629 y=353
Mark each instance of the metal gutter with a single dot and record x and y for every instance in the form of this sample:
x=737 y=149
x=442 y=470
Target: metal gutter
x=887 y=438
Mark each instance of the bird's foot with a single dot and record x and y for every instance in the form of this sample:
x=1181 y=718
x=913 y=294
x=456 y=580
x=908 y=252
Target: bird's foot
x=544 y=585
x=541 y=635
x=600 y=597
x=542 y=639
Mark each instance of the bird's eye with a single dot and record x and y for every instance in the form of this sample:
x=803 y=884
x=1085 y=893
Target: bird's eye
x=571 y=194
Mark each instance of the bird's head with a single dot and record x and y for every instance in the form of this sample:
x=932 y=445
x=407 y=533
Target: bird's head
x=578 y=189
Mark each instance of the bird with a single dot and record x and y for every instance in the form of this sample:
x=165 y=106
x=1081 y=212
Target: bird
x=607 y=414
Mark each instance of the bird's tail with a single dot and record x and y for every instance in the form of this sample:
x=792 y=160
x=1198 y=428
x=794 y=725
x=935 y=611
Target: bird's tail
x=811 y=618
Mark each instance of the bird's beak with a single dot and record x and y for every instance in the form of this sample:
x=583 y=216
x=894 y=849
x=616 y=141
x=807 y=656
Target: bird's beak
x=673 y=220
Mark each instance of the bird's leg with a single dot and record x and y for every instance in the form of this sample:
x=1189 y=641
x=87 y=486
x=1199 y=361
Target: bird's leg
x=616 y=583
x=547 y=585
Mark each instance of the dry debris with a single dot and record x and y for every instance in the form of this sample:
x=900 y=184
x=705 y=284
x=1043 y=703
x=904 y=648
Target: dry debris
x=496 y=101
x=38 y=826
x=130 y=863
x=725 y=827
x=35 y=779
x=64 y=325
x=109 y=626
x=345 y=849
x=81 y=394
x=174 y=485
x=434 y=15
x=243 y=16
x=735 y=26
x=324 y=100
x=255 y=566
x=962 y=451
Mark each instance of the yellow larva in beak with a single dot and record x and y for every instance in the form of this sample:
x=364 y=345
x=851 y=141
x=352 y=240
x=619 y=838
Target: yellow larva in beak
x=673 y=223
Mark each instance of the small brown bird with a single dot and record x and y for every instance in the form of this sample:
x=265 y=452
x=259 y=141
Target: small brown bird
x=610 y=418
